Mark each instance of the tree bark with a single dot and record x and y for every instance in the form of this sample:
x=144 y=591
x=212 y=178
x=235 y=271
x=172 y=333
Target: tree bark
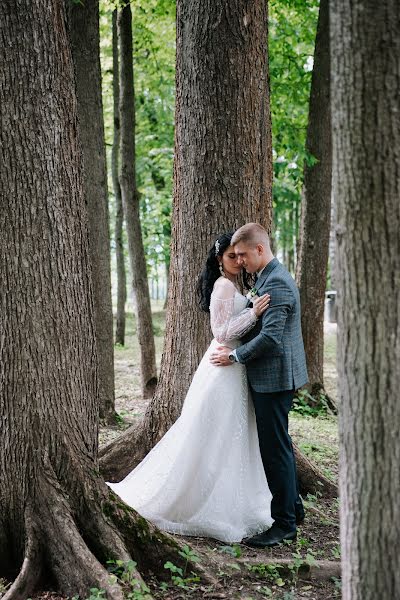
x=83 y=19
x=366 y=183
x=130 y=198
x=316 y=209
x=222 y=179
x=119 y=216
x=58 y=519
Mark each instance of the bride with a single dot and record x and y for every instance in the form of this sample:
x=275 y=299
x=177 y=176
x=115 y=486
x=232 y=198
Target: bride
x=205 y=477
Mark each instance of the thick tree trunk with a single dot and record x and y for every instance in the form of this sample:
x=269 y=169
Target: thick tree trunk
x=366 y=183
x=58 y=519
x=130 y=198
x=119 y=211
x=167 y=269
x=84 y=36
x=222 y=179
x=316 y=209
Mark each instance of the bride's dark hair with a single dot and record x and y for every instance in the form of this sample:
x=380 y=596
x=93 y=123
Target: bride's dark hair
x=211 y=271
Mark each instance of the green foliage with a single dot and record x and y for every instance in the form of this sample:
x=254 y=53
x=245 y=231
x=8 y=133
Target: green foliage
x=4 y=585
x=312 y=499
x=154 y=73
x=234 y=550
x=303 y=556
x=338 y=587
x=269 y=572
x=188 y=555
x=178 y=574
x=310 y=406
x=292 y=29
x=178 y=577
x=124 y=573
x=96 y=594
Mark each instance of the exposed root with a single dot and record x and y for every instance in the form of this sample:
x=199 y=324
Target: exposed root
x=320 y=570
x=74 y=566
x=332 y=405
x=120 y=456
x=319 y=513
x=30 y=572
x=104 y=538
x=4 y=554
x=311 y=479
x=150 y=546
x=150 y=387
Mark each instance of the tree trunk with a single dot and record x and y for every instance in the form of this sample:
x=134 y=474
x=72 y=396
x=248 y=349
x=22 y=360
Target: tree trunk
x=316 y=209
x=167 y=269
x=58 y=519
x=222 y=179
x=210 y=169
x=119 y=217
x=366 y=184
x=332 y=245
x=130 y=198
x=84 y=36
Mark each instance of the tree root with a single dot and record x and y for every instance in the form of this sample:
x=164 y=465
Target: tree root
x=74 y=534
x=120 y=456
x=319 y=513
x=311 y=479
x=145 y=540
x=30 y=572
x=74 y=567
x=320 y=570
x=103 y=537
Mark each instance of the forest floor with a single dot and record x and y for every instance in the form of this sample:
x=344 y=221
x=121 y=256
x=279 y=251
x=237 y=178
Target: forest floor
x=307 y=569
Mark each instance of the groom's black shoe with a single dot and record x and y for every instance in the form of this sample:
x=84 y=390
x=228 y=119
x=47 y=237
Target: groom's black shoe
x=274 y=536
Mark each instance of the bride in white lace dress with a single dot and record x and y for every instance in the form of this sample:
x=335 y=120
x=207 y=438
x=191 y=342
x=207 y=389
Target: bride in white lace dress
x=205 y=477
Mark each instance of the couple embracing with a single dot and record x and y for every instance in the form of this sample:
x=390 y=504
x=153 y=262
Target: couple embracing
x=226 y=468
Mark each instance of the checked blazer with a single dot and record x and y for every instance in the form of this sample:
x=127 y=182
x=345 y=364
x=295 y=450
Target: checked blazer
x=273 y=350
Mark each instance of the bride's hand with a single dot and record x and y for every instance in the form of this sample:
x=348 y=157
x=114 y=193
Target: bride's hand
x=260 y=304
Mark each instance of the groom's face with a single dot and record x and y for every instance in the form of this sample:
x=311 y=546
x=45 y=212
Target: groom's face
x=249 y=256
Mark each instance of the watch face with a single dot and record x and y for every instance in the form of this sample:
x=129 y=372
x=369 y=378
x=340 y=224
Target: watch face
x=231 y=358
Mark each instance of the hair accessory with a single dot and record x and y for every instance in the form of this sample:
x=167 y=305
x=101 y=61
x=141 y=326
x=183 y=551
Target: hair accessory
x=216 y=248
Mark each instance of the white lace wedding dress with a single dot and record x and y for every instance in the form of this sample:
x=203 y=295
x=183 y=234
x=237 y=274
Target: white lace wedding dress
x=205 y=476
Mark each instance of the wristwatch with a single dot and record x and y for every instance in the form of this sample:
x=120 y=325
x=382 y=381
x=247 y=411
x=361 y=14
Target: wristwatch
x=231 y=357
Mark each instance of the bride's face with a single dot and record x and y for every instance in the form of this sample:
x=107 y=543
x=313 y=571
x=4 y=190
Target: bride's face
x=230 y=262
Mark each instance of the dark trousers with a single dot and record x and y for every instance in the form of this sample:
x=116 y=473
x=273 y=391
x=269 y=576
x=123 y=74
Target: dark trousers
x=277 y=455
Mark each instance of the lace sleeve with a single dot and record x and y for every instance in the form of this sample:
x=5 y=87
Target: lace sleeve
x=225 y=325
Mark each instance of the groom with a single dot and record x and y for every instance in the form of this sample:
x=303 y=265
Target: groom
x=273 y=353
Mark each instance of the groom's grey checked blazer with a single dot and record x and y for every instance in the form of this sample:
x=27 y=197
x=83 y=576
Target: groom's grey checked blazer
x=273 y=350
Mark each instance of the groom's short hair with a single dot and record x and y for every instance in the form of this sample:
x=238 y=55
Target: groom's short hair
x=251 y=233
